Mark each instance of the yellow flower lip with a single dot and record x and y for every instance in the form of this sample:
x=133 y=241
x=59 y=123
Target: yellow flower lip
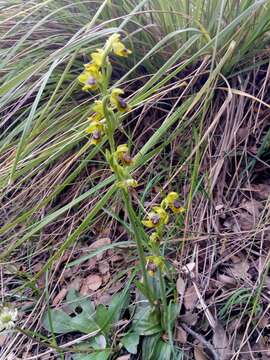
x=96 y=129
x=90 y=77
x=155 y=218
x=176 y=204
x=118 y=101
x=122 y=102
x=91 y=81
x=153 y=263
x=172 y=201
x=96 y=135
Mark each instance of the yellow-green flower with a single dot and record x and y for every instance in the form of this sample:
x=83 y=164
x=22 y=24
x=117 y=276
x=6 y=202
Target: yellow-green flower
x=98 y=57
x=90 y=77
x=172 y=201
x=128 y=183
x=158 y=216
x=153 y=238
x=98 y=111
x=117 y=46
x=122 y=154
x=8 y=317
x=118 y=101
x=153 y=263
x=96 y=129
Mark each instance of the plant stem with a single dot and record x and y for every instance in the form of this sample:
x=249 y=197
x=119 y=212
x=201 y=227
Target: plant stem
x=164 y=313
x=133 y=220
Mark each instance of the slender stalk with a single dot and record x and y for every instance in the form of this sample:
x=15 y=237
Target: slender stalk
x=163 y=299
x=133 y=219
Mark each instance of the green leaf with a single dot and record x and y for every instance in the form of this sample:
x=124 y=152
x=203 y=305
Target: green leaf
x=83 y=320
x=60 y=322
x=131 y=342
x=102 y=315
x=102 y=355
x=141 y=288
x=153 y=348
x=146 y=321
x=173 y=312
x=74 y=301
x=119 y=302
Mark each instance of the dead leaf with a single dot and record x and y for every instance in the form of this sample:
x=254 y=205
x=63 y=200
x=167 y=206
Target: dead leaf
x=84 y=290
x=219 y=207
x=100 y=243
x=3 y=339
x=190 y=298
x=180 y=286
x=12 y=356
x=116 y=258
x=199 y=354
x=103 y=267
x=253 y=207
x=180 y=335
x=115 y=287
x=106 y=278
x=244 y=222
x=221 y=342
x=188 y=268
x=105 y=299
x=75 y=284
x=60 y=296
x=261 y=264
x=91 y=263
x=226 y=280
x=261 y=191
x=91 y=283
x=189 y=318
x=242 y=133
x=240 y=269
x=263 y=322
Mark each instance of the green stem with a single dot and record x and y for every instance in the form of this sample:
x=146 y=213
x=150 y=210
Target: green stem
x=109 y=123
x=133 y=220
x=163 y=299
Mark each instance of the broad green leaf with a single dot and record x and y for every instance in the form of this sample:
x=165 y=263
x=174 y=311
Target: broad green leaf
x=118 y=304
x=82 y=319
x=146 y=322
x=102 y=355
x=102 y=315
x=74 y=300
x=60 y=322
x=153 y=348
x=131 y=342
